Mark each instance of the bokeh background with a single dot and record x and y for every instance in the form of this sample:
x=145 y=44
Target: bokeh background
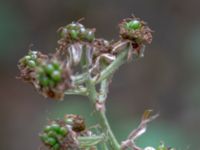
x=166 y=80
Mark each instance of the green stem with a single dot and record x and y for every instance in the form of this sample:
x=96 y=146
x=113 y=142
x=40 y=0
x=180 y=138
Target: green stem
x=79 y=79
x=107 y=129
x=92 y=93
x=103 y=79
x=108 y=71
x=102 y=117
x=103 y=92
x=77 y=91
x=120 y=60
x=89 y=141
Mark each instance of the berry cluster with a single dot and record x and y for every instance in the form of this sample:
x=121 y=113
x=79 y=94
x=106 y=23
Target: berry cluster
x=53 y=133
x=63 y=134
x=30 y=60
x=53 y=78
x=50 y=74
x=76 y=31
x=28 y=64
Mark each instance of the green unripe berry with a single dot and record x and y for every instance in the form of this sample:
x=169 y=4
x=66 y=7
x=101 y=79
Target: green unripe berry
x=49 y=69
x=47 y=129
x=52 y=83
x=33 y=56
x=27 y=57
x=89 y=35
x=56 y=147
x=74 y=26
x=56 y=75
x=64 y=32
x=63 y=131
x=71 y=26
x=134 y=25
x=52 y=134
x=82 y=32
x=162 y=147
x=51 y=141
x=74 y=34
x=55 y=127
x=44 y=138
x=69 y=121
x=31 y=63
x=56 y=65
x=44 y=81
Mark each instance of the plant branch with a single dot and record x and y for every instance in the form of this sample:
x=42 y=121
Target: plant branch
x=94 y=98
x=79 y=79
x=77 y=91
x=101 y=115
x=108 y=71
x=91 y=140
x=103 y=91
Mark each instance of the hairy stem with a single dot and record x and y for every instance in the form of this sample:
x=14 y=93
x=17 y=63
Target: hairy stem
x=77 y=91
x=107 y=129
x=95 y=97
x=79 y=79
x=105 y=74
x=102 y=117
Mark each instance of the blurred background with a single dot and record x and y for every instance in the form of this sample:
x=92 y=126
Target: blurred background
x=166 y=80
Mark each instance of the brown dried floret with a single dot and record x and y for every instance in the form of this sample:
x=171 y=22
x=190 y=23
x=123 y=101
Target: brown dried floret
x=77 y=122
x=101 y=46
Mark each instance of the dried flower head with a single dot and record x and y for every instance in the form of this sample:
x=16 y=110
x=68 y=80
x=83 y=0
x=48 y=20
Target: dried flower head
x=77 y=122
x=101 y=46
x=102 y=55
x=135 y=30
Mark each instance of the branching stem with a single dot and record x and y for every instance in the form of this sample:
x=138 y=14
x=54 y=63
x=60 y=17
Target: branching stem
x=95 y=97
x=108 y=71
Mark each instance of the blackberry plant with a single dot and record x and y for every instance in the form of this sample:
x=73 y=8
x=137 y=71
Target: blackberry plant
x=84 y=65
